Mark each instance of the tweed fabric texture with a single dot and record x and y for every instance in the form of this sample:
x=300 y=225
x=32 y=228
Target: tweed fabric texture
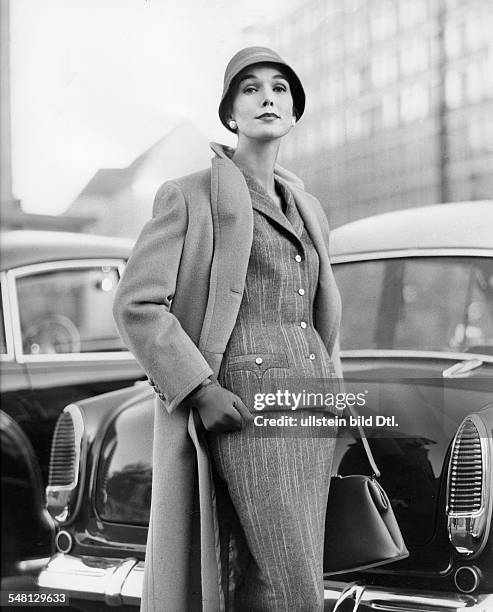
x=274 y=487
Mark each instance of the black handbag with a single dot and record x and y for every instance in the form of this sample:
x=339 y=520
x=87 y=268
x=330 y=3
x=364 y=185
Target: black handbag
x=361 y=530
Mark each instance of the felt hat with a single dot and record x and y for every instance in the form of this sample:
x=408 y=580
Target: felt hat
x=257 y=55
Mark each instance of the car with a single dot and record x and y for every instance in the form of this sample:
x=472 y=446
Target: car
x=417 y=341
x=58 y=344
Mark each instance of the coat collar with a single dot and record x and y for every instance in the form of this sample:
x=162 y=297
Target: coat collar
x=225 y=169
x=225 y=152
x=286 y=179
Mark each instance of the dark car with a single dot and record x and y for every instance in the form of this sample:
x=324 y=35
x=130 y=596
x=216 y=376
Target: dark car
x=417 y=340
x=58 y=344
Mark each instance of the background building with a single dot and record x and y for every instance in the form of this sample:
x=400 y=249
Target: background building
x=399 y=101
x=118 y=201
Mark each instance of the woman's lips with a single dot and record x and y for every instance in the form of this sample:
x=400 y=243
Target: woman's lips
x=268 y=116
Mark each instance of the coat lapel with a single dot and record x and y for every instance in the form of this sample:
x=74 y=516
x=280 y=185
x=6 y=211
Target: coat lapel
x=232 y=219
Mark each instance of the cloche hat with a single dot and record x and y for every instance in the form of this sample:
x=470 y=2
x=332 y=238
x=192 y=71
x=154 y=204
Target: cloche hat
x=256 y=55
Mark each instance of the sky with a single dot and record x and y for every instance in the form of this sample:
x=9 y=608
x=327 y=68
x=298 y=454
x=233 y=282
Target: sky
x=94 y=83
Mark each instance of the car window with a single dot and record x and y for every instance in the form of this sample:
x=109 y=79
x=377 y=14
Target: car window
x=435 y=304
x=68 y=311
x=123 y=489
x=3 y=341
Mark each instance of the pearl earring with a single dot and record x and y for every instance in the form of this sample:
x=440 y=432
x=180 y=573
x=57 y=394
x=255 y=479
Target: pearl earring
x=232 y=124
x=293 y=121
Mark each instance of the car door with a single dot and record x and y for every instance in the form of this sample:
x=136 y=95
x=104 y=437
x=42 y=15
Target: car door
x=408 y=321
x=66 y=338
x=14 y=379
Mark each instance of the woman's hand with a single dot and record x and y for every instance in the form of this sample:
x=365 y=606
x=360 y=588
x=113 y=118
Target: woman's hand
x=219 y=409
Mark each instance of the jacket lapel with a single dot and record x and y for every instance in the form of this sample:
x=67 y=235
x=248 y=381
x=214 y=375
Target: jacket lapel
x=264 y=204
x=291 y=212
x=310 y=220
x=327 y=301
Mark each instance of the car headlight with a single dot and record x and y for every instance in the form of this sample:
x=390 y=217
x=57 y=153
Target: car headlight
x=469 y=487
x=62 y=492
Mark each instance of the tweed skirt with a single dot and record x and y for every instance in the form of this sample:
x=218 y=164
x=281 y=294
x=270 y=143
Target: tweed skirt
x=272 y=536
x=272 y=488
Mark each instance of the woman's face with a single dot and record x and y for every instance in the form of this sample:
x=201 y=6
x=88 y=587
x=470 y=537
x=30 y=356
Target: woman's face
x=262 y=104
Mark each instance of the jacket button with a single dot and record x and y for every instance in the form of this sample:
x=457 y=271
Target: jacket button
x=303 y=325
x=259 y=360
x=297 y=258
x=311 y=356
x=301 y=291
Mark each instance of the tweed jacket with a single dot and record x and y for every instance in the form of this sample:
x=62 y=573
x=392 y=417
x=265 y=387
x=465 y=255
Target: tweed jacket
x=175 y=308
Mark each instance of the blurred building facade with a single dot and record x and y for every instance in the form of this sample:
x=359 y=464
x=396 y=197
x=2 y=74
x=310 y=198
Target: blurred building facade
x=118 y=201
x=399 y=101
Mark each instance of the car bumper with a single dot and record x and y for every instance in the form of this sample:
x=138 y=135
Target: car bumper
x=403 y=600
x=115 y=581
x=119 y=582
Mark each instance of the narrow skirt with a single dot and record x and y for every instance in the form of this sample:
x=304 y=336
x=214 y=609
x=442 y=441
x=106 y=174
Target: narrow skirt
x=272 y=499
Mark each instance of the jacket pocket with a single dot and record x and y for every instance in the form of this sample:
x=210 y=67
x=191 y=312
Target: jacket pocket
x=245 y=374
x=258 y=363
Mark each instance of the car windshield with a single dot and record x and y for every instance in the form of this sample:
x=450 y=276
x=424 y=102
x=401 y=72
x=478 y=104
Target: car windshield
x=422 y=303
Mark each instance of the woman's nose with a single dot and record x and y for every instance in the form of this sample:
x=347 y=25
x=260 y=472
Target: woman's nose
x=267 y=102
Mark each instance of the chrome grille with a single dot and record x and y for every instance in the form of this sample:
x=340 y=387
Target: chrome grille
x=66 y=465
x=466 y=471
x=63 y=454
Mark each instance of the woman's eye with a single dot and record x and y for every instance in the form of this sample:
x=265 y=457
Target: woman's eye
x=279 y=88
x=249 y=89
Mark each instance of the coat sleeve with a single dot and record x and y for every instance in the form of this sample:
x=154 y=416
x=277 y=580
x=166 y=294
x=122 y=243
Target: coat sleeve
x=143 y=299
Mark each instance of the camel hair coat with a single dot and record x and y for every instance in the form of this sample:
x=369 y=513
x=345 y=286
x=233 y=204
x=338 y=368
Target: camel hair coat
x=175 y=308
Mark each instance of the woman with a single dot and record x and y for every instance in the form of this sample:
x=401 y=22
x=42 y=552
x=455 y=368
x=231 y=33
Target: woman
x=231 y=279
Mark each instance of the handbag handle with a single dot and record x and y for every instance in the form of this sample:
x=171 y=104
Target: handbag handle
x=364 y=440
x=353 y=591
